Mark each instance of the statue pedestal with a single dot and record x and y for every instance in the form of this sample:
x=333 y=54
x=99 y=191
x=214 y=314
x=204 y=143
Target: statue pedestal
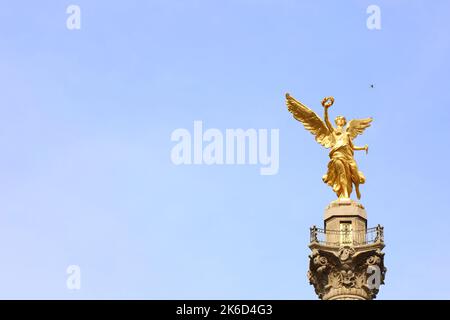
x=346 y=261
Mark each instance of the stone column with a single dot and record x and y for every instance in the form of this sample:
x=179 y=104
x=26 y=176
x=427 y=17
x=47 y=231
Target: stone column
x=346 y=261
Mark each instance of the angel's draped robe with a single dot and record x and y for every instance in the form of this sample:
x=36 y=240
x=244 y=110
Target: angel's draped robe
x=342 y=170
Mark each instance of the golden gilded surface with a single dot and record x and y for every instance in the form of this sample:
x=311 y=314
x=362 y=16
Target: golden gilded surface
x=342 y=171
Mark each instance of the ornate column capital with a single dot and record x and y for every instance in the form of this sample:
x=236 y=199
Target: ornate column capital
x=346 y=272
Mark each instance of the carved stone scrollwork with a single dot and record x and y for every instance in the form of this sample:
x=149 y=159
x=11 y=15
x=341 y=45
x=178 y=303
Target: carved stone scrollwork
x=346 y=253
x=346 y=272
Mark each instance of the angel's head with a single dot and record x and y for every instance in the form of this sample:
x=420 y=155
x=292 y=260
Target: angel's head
x=340 y=121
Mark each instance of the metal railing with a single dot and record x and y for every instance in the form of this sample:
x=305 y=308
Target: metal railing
x=348 y=237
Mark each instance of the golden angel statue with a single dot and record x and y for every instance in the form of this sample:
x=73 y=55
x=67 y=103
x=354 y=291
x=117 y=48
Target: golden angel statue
x=342 y=171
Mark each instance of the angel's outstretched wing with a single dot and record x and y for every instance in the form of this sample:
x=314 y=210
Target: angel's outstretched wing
x=312 y=122
x=357 y=126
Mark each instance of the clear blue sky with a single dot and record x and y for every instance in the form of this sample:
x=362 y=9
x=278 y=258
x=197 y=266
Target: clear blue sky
x=86 y=116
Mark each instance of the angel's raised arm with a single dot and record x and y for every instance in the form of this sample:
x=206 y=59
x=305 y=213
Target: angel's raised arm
x=327 y=120
x=326 y=103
